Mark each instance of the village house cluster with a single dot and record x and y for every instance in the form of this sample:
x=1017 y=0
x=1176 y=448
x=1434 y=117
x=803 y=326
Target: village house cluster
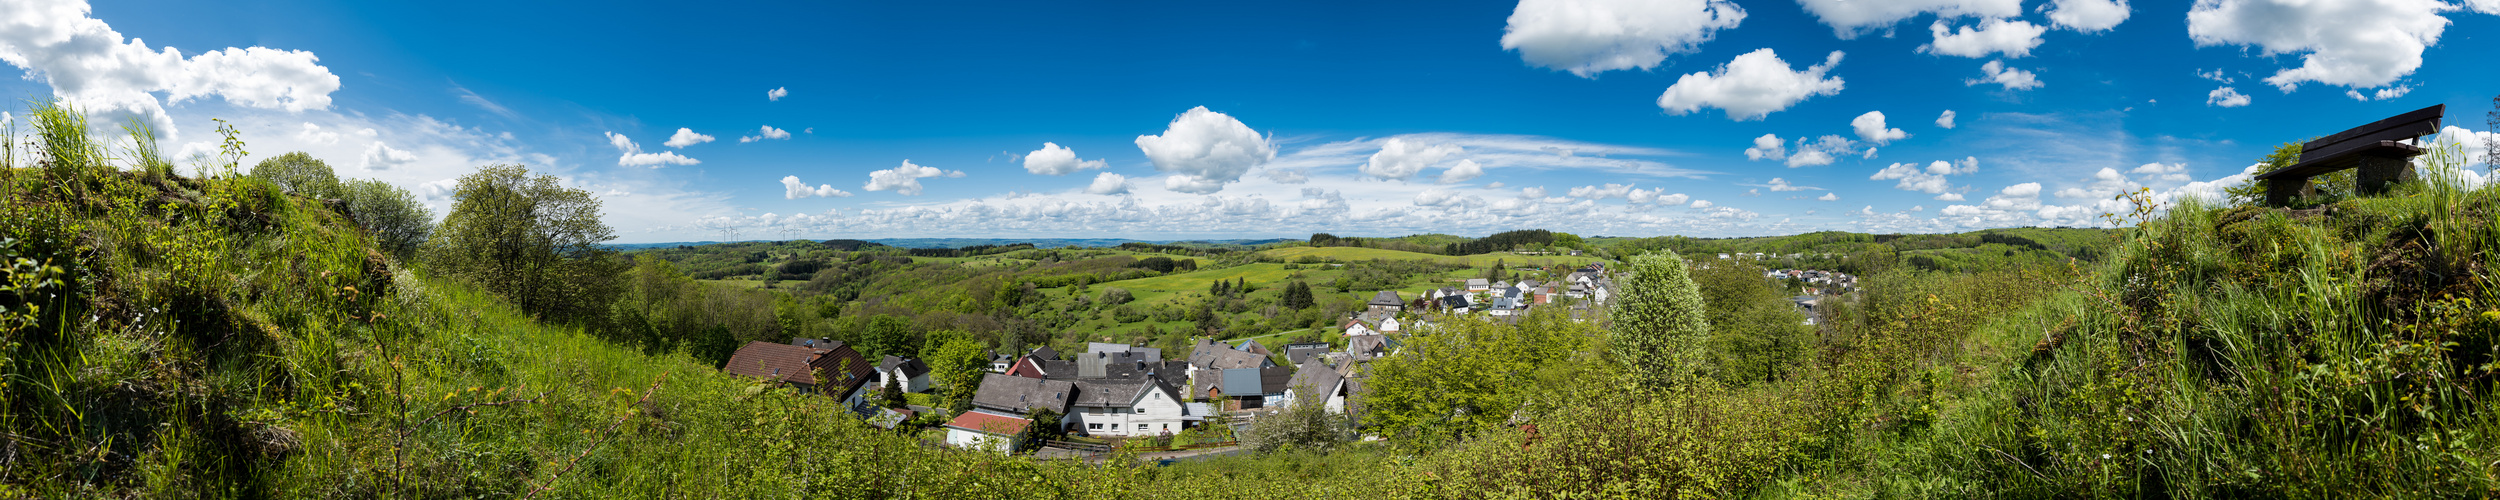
x=1120 y=390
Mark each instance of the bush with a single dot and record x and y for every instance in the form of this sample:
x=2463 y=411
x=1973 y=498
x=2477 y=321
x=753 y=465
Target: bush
x=1660 y=325
x=1306 y=425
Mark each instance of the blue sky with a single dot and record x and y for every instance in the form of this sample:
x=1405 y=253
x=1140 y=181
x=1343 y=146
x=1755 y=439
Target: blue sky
x=1280 y=119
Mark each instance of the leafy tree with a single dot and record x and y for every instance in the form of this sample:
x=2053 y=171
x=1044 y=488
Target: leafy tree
x=1298 y=296
x=1756 y=330
x=300 y=174
x=1208 y=323
x=2254 y=191
x=1568 y=240
x=956 y=364
x=889 y=336
x=892 y=396
x=398 y=222
x=1455 y=378
x=529 y=239
x=1045 y=427
x=1112 y=296
x=1306 y=425
x=1659 y=324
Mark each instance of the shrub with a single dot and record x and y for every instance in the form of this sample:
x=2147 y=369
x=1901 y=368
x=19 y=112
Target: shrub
x=1659 y=322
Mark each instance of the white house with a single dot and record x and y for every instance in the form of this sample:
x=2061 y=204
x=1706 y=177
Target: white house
x=1319 y=381
x=1127 y=407
x=913 y=374
x=985 y=430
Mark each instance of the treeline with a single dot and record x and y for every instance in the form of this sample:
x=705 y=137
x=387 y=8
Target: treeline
x=1138 y=246
x=1500 y=242
x=970 y=251
x=1440 y=244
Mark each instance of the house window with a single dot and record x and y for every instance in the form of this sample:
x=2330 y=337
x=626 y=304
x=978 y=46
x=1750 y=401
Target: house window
x=1141 y=409
x=1141 y=427
x=1094 y=426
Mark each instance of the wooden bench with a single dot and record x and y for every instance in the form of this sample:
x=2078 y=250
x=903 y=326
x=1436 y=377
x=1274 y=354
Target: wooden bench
x=2374 y=149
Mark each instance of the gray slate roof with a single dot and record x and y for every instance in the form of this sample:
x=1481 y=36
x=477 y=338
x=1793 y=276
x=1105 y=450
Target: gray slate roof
x=1021 y=395
x=1315 y=376
x=1387 y=298
x=1116 y=392
x=911 y=367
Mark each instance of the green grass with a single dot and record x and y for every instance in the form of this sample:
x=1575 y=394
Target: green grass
x=1347 y=254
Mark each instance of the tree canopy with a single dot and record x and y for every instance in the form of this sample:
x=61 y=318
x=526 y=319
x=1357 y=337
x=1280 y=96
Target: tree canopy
x=1660 y=325
x=529 y=239
x=299 y=173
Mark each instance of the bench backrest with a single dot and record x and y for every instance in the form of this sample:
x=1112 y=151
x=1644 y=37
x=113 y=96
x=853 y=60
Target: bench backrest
x=2411 y=125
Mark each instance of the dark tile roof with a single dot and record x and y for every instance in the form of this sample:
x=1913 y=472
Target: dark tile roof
x=1173 y=373
x=911 y=367
x=1057 y=368
x=1020 y=395
x=1298 y=352
x=1387 y=298
x=1114 y=392
x=798 y=365
x=1044 y=352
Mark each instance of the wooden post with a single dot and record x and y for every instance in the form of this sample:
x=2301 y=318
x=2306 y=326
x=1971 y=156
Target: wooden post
x=2281 y=190
x=2377 y=175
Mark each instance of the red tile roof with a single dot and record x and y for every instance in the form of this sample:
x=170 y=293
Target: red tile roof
x=982 y=421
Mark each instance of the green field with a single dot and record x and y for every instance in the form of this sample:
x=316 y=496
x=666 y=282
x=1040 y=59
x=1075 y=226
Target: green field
x=1343 y=254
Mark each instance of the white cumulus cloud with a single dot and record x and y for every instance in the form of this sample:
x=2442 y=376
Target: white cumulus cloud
x=383 y=157
x=1824 y=150
x=768 y=132
x=90 y=65
x=1931 y=179
x=1829 y=197
x=686 y=137
x=2349 y=43
x=1400 y=159
x=1204 y=150
x=1991 y=36
x=1464 y=171
x=2089 y=16
x=1587 y=37
x=1945 y=120
x=1849 y=18
x=311 y=133
x=1108 y=183
x=1055 y=160
x=2013 y=79
x=1767 y=147
x=1751 y=87
x=631 y=155
x=776 y=93
x=792 y=189
x=2226 y=97
x=1600 y=193
x=1870 y=127
x=905 y=179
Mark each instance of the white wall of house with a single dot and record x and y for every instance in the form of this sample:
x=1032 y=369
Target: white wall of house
x=913 y=384
x=1335 y=402
x=979 y=441
x=1155 y=412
